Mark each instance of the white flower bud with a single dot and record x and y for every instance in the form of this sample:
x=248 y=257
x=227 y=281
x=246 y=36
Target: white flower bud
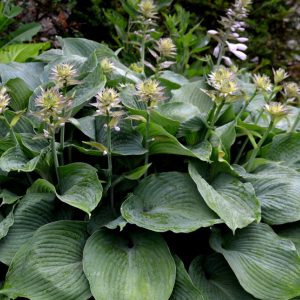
x=213 y=32
x=227 y=60
x=240 y=55
x=242 y=39
x=104 y=152
x=117 y=128
x=216 y=51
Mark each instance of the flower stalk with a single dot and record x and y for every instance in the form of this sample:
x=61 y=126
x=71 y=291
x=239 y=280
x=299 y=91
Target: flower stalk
x=109 y=161
x=147 y=141
x=215 y=117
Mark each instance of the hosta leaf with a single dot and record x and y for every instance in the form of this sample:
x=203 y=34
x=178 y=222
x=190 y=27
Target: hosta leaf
x=21 y=52
x=14 y=159
x=266 y=265
x=216 y=281
x=232 y=200
x=168 y=201
x=49 y=55
x=127 y=141
x=285 y=149
x=136 y=173
x=178 y=111
x=80 y=46
x=191 y=93
x=6 y=223
x=80 y=186
x=136 y=267
x=29 y=72
x=276 y=188
x=8 y=197
x=167 y=143
x=104 y=216
x=24 y=125
x=290 y=231
x=184 y=288
x=34 y=146
x=86 y=125
x=19 y=93
x=93 y=82
x=35 y=210
x=49 y=265
x=192 y=125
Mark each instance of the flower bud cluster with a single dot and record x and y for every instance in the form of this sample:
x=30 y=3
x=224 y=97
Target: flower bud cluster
x=53 y=102
x=165 y=48
x=4 y=100
x=147 y=9
x=107 y=65
x=63 y=75
x=233 y=25
x=150 y=92
x=277 y=111
x=223 y=81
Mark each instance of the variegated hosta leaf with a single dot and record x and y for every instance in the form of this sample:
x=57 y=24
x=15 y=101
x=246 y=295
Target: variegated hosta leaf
x=277 y=189
x=49 y=265
x=138 y=266
x=36 y=209
x=215 y=280
x=266 y=265
x=168 y=201
x=184 y=288
x=232 y=200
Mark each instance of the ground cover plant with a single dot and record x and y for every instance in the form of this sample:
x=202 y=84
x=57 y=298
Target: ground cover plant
x=108 y=170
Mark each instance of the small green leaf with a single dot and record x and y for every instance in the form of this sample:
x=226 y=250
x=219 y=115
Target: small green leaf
x=17 y=118
x=136 y=173
x=96 y=145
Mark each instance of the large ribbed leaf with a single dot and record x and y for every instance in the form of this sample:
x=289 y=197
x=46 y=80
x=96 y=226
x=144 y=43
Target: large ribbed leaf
x=215 y=280
x=127 y=141
x=168 y=201
x=136 y=267
x=80 y=186
x=232 y=200
x=35 y=210
x=184 y=288
x=167 y=143
x=266 y=265
x=49 y=265
x=285 y=148
x=191 y=93
x=29 y=72
x=290 y=231
x=277 y=189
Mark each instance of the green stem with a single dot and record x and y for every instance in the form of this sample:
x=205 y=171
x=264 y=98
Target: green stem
x=112 y=204
x=147 y=143
x=55 y=160
x=62 y=133
x=255 y=151
x=247 y=140
x=143 y=47
x=296 y=121
x=214 y=120
x=245 y=106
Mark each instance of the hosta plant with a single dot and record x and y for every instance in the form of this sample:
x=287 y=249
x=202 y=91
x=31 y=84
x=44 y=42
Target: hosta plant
x=118 y=186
